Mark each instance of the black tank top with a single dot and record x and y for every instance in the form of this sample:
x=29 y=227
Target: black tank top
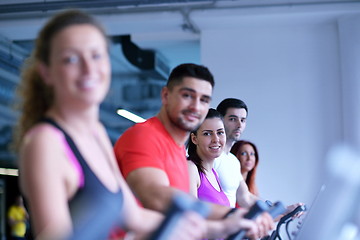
x=94 y=209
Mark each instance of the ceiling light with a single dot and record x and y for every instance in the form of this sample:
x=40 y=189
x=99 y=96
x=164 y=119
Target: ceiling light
x=129 y=115
x=9 y=172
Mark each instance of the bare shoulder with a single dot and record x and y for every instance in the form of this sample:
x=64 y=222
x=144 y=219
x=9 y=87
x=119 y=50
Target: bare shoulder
x=47 y=179
x=39 y=150
x=41 y=134
x=193 y=172
x=192 y=168
x=194 y=178
x=40 y=140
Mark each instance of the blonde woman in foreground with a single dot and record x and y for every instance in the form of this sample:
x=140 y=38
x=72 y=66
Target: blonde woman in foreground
x=68 y=172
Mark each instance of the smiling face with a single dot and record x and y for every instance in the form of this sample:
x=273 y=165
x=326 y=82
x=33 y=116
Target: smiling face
x=187 y=103
x=247 y=158
x=210 y=139
x=235 y=123
x=79 y=67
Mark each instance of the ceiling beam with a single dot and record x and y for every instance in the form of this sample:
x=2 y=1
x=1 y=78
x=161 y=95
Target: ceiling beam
x=89 y=4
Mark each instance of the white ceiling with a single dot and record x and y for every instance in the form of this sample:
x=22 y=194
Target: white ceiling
x=162 y=25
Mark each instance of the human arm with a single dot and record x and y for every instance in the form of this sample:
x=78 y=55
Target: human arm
x=151 y=187
x=231 y=224
x=140 y=221
x=194 y=178
x=290 y=208
x=150 y=196
x=234 y=222
x=217 y=211
x=244 y=197
x=190 y=226
x=143 y=164
x=216 y=228
x=46 y=180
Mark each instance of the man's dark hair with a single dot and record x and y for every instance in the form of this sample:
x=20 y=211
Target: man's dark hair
x=189 y=70
x=230 y=103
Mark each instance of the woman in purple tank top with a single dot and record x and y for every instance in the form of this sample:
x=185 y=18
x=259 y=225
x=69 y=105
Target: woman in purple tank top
x=206 y=144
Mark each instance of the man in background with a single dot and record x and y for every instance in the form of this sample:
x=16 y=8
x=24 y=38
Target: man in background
x=227 y=165
x=17 y=218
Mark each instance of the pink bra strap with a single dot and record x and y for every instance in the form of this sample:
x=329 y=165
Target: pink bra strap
x=69 y=153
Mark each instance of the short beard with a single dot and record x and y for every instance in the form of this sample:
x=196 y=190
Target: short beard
x=179 y=123
x=183 y=126
x=234 y=139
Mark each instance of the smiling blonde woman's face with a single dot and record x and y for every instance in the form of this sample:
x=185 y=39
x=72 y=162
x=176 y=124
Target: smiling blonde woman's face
x=79 y=68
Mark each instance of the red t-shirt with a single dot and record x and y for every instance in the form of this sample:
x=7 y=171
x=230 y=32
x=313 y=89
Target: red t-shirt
x=148 y=144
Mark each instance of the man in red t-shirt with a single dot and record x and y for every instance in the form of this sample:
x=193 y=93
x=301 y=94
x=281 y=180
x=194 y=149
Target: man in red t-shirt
x=157 y=149
x=151 y=155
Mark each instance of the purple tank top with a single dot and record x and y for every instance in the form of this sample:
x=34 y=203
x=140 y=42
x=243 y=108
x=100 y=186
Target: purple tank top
x=207 y=192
